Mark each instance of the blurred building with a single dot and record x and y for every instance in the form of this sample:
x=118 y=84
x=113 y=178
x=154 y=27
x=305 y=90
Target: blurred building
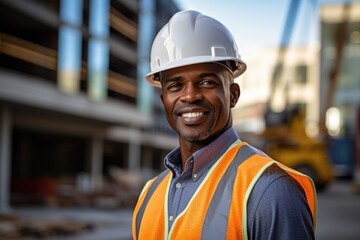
x=73 y=102
x=340 y=82
x=340 y=61
x=293 y=81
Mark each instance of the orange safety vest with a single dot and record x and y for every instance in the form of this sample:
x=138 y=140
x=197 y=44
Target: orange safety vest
x=217 y=209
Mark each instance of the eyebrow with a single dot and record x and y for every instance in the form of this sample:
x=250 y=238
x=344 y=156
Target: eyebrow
x=174 y=79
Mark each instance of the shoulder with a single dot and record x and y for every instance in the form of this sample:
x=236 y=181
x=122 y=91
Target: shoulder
x=278 y=181
x=277 y=206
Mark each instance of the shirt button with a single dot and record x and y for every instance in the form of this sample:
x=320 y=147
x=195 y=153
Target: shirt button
x=178 y=185
x=195 y=175
x=171 y=218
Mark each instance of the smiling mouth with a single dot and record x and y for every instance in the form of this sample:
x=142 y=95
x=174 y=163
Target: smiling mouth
x=192 y=114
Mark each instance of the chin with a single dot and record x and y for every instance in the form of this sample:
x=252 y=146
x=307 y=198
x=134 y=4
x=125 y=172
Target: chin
x=196 y=137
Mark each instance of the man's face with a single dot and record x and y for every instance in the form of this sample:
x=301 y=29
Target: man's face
x=198 y=99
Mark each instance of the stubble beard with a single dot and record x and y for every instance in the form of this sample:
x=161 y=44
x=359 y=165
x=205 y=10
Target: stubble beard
x=197 y=136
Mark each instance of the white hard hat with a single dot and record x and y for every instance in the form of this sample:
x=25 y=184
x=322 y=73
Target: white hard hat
x=191 y=38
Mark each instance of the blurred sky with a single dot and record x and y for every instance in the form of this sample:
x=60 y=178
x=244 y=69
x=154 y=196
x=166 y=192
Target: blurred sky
x=259 y=23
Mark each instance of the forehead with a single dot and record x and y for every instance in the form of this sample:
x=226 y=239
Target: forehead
x=193 y=70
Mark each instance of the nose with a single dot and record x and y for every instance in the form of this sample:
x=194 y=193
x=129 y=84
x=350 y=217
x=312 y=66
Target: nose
x=191 y=93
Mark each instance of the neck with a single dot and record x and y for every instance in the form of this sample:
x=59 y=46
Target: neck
x=187 y=148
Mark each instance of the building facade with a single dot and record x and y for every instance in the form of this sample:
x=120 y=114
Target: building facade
x=73 y=103
x=340 y=84
x=340 y=61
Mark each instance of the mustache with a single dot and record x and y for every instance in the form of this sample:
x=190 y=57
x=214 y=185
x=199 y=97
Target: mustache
x=192 y=105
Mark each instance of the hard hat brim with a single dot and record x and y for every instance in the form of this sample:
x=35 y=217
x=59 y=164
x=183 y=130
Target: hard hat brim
x=241 y=67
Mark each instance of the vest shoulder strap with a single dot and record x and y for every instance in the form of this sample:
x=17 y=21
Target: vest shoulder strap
x=149 y=193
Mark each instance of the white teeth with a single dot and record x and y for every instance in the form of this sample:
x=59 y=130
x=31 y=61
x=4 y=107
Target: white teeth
x=192 y=114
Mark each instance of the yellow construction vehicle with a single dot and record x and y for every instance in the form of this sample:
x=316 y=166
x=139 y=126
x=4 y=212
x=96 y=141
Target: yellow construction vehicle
x=286 y=141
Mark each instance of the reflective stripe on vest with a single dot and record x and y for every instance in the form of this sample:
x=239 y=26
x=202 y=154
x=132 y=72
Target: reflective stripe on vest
x=225 y=215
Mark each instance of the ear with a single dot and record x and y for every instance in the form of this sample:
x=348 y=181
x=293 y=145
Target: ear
x=234 y=94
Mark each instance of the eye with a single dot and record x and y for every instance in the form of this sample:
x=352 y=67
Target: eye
x=208 y=83
x=174 y=87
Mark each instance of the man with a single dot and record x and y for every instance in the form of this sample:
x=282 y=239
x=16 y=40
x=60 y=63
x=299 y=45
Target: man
x=215 y=186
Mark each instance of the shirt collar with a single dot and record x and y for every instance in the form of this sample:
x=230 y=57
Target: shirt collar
x=173 y=161
x=201 y=160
